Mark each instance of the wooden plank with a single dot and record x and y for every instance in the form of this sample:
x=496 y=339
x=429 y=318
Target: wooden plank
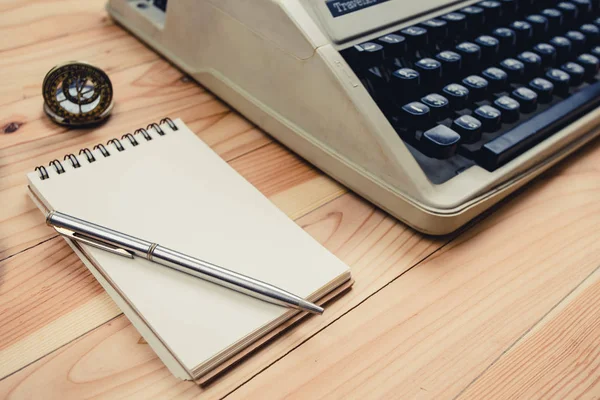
x=376 y=246
x=51 y=20
x=86 y=368
x=439 y=326
x=558 y=359
x=108 y=46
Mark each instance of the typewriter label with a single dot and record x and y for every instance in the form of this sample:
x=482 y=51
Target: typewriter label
x=343 y=7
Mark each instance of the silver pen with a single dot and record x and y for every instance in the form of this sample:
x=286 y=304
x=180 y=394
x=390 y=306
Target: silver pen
x=129 y=246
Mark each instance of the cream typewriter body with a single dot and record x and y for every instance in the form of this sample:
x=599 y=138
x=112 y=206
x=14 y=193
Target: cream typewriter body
x=433 y=110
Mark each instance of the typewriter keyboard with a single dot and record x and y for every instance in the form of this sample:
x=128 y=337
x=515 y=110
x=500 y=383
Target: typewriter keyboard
x=483 y=84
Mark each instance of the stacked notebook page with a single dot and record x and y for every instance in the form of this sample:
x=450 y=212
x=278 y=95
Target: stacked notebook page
x=166 y=185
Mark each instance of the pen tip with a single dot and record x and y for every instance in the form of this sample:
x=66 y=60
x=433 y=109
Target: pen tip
x=311 y=308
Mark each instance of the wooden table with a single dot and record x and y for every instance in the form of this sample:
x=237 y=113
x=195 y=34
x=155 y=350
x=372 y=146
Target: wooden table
x=509 y=307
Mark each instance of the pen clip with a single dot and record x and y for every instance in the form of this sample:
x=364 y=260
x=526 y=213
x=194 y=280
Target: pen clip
x=82 y=239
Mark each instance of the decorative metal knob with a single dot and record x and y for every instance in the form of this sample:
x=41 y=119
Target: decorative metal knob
x=77 y=94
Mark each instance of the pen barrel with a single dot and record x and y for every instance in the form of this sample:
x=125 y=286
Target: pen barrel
x=224 y=277
x=100 y=234
x=126 y=245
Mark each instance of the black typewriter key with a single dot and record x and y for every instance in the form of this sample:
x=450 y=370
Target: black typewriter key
x=569 y=11
x=471 y=54
x=451 y=63
x=510 y=108
x=555 y=19
x=576 y=71
x=547 y=52
x=583 y=6
x=509 y=8
x=405 y=83
x=439 y=142
x=475 y=16
x=592 y=34
x=394 y=45
x=526 y=5
x=438 y=30
x=578 y=41
x=415 y=115
x=527 y=98
x=532 y=62
x=367 y=55
x=457 y=23
x=416 y=38
x=524 y=32
x=563 y=48
x=430 y=70
x=489 y=116
x=560 y=79
x=490 y=47
x=438 y=104
x=543 y=88
x=477 y=86
x=590 y=63
x=539 y=25
x=492 y=11
x=507 y=38
x=596 y=51
x=514 y=68
x=377 y=83
x=496 y=78
x=458 y=95
x=469 y=128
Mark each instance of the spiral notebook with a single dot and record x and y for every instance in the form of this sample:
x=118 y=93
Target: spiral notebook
x=165 y=185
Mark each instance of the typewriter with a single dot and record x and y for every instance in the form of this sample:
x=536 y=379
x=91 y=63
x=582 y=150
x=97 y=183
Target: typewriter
x=433 y=110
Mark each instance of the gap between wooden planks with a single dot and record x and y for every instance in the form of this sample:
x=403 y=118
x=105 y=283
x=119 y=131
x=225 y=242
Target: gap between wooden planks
x=559 y=358
x=436 y=328
x=376 y=246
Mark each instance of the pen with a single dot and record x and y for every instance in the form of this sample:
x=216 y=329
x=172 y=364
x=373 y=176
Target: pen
x=129 y=246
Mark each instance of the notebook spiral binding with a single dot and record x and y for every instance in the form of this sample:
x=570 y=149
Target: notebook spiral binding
x=116 y=143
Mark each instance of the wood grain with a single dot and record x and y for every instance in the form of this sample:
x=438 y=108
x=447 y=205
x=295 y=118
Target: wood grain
x=378 y=248
x=558 y=359
x=434 y=330
x=52 y=20
x=107 y=46
x=507 y=309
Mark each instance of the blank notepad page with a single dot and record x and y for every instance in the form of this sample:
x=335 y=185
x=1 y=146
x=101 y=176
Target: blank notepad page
x=174 y=190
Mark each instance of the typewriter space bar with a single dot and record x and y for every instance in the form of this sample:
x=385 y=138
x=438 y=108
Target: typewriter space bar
x=504 y=148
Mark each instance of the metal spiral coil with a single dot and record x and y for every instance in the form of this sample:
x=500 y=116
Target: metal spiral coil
x=169 y=122
x=43 y=172
x=131 y=139
x=75 y=163
x=117 y=143
x=73 y=159
x=102 y=149
x=144 y=133
x=58 y=167
x=88 y=154
x=157 y=128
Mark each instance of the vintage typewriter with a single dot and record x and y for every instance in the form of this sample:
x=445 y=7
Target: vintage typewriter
x=434 y=110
